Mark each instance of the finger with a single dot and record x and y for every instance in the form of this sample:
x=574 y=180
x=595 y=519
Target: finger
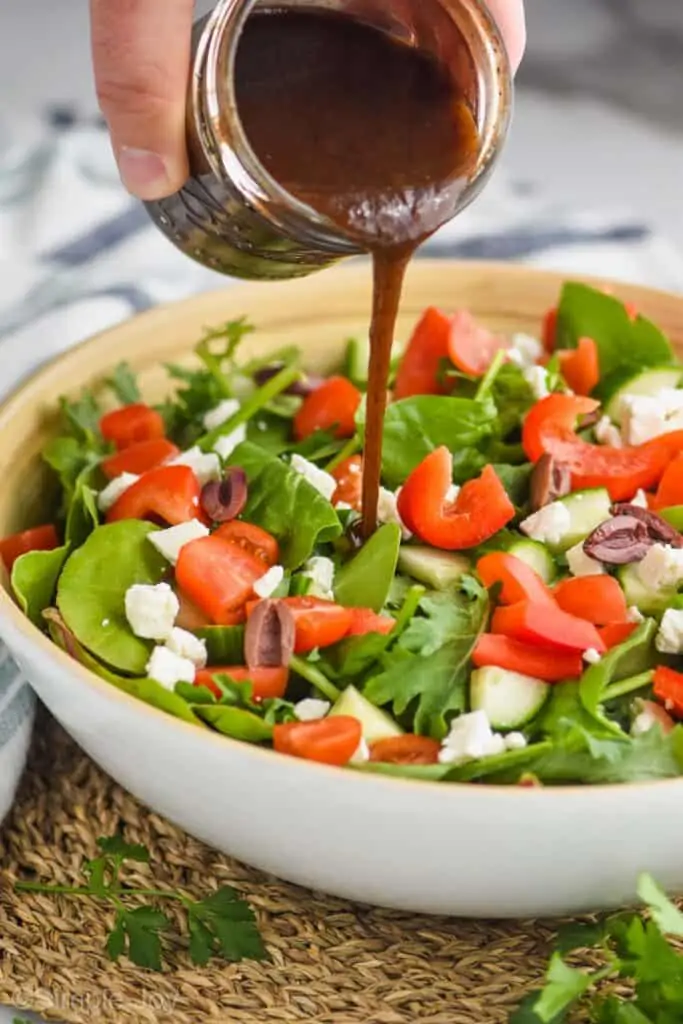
x=510 y=17
x=141 y=54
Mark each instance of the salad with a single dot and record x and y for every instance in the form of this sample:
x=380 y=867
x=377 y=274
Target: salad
x=515 y=618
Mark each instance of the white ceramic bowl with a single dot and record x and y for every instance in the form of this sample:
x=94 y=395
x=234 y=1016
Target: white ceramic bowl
x=455 y=849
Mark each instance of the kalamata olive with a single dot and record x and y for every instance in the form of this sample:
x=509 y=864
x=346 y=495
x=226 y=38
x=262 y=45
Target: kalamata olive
x=269 y=635
x=550 y=480
x=301 y=388
x=658 y=529
x=619 y=541
x=223 y=500
x=354 y=533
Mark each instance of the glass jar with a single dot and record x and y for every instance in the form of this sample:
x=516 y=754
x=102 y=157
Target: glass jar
x=232 y=216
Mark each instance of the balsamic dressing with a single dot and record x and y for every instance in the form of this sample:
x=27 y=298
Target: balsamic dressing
x=374 y=136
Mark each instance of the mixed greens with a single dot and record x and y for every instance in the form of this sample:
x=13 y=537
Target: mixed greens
x=515 y=618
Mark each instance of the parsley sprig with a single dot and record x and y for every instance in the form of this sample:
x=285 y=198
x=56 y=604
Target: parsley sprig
x=221 y=925
x=636 y=952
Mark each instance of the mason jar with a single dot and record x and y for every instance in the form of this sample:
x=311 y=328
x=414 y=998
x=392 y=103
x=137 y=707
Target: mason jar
x=232 y=216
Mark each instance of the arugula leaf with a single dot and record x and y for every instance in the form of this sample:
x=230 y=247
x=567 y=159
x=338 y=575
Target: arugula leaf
x=365 y=580
x=635 y=655
x=82 y=418
x=68 y=457
x=124 y=385
x=283 y=502
x=585 y=312
x=34 y=580
x=414 y=427
x=82 y=514
x=512 y=396
x=92 y=588
x=252 y=406
x=430 y=663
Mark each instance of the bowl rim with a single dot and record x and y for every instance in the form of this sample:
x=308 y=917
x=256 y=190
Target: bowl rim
x=33 y=636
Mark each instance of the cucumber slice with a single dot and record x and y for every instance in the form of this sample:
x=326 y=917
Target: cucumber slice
x=377 y=724
x=356 y=361
x=437 y=569
x=587 y=509
x=509 y=699
x=644 y=382
x=537 y=555
x=649 y=602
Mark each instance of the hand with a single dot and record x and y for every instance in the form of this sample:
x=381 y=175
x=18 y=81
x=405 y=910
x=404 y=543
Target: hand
x=141 y=52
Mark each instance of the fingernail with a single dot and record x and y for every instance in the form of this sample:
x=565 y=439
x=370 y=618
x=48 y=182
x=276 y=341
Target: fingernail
x=143 y=173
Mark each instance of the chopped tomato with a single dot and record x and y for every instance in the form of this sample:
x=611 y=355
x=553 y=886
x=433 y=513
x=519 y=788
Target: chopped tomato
x=407 y=749
x=38 y=538
x=481 y=509
x=616 y=633
x=670 y=490
x=349 y=477
x=597 y=599
x=514 y=656
x=318 y=623
x=668 y=687
x=544 y=626
x=332 y=406
x=139 y=458
x=520 y=581
x=425 y=353
x=252 y=539
x=169 y=494
x=549 y=330
x=131 y=424
x=329 y=740
x=266 y=682
x=364 y=620
x=550 y=427
x=190 y=617
x=217 y=576
x=580 y=366
x=472 y=347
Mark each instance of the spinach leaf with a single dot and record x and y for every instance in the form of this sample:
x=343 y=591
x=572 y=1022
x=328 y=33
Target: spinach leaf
x=147 y=690
x=34 y=580
x=635 y=655
x=224 y=644
x=235 y=722
x=427 y=671
x=622 y=342
x=365 y=580
x=416 y=426
x=124 y=385
x=517 y=482
x=92 y=588
x=283 y=502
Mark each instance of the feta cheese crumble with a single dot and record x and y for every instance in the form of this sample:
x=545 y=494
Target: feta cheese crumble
x=591 y=656
x=608 y=433
x=525 y=350
x=269 y=582
x=452 y=493
x=549 y=525
x=320 y=571
x=387 y=511
x=187 y=645
x=362 y=754
x=311 y=710
x=634 y=614
x=669 y=639
x=206 y=466
x=323 y=482
x=151 y=610
x=170 y=542
x=470 y=738
x=515 y=741
x=537 y=379
x=167 y=668
x=114 y=489
x=644 y=417
x=661 y=568
x=639 y=499
x=224 y=411
x=225 y=445
x=581 y=564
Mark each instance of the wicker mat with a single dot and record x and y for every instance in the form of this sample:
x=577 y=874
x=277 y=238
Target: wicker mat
x=332 y=962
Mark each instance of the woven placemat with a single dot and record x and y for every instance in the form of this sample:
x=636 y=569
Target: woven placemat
x=332 y=962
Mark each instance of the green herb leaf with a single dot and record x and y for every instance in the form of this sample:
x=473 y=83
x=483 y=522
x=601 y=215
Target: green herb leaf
x=68 y=457
x=231 y=924
x=34 y=580
x=365 y=580
x=124 y=385
x=236 y=723
x=82 y=418
x=565 y=985
x=116 y=846
x=668 y=917
x=633 y=656
x=82 y=514
x=136 y=933
x=92 y=588
x=283 y=502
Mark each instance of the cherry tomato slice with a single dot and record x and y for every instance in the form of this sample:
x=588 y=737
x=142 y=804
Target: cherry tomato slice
x=520 y=581
x=169 y=494
x=332 y=406
x=541 y=625
x=38 y=538
x=318 y=623
x=537 y=662
x=422 y=360
x=252 y=539
x=364 y=621
x=217 y=576
x=349 y=477
x=597 y=599
x=131 y=424
x=668 y=688
x=616 y=633
x=407 y=749
x=139 y=458
x=266 y=682
x=580 y=366
x=471 y=347
x=328 y=741
x=549 y=330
